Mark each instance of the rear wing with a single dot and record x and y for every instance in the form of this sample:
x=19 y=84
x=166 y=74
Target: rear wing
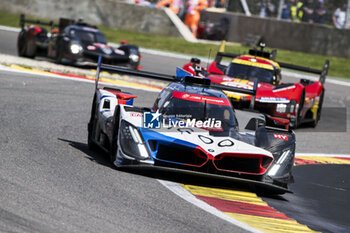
x=323 y=72
x=23 y=21
x=63 y=23
x=221 y=55
x=166 y=77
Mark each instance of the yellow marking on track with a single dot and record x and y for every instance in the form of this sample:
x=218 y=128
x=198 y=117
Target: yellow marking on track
x=326 y=160
x=126 y=83
x=103 y=79
x=270 y=224
x=40 y=71
x=265 y=224
x=90 y=77
x=225 y=194
x=19 y=67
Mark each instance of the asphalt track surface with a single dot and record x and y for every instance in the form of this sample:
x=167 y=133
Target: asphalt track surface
x=51 y=182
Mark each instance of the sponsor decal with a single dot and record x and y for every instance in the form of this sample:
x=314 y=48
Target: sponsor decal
x=152 y=120
x=228 y=79
x=243 y=85
x=281 y=136
x=284 y=89
x=201 y=98
x=91 y=47
x=136 y=114
x=120 y=52
x=280 y=100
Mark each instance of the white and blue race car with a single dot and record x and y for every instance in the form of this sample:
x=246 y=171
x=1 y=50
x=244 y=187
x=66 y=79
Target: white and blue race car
x=191 y=128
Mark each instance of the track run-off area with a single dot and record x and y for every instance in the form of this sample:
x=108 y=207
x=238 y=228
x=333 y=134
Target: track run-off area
x=51 y=182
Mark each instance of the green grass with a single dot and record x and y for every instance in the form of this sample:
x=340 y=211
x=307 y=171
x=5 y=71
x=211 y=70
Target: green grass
x=339 y=67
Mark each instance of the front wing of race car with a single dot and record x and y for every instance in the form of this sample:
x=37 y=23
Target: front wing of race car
x=200 y=154
x=108 y=54
x=254 y=184
x=186 y=158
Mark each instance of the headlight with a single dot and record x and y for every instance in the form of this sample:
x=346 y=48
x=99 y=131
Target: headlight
x=284 y=157
x=286 y=108
x=75 y=48
x=131 y=141
x=134 y=57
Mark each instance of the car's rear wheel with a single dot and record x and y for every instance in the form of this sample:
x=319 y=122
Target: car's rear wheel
x=21 y=44
x=25 y=47
x=319 y=110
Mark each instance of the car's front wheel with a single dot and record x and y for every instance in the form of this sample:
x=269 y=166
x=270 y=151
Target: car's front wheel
x=297 y=121
x=113 y=152
x=91 y=125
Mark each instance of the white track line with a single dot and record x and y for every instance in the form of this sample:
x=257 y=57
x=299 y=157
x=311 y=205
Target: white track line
x=188 y=57
x=186 y=195
x=322 y=155
x=57 y=76
x=9 y=29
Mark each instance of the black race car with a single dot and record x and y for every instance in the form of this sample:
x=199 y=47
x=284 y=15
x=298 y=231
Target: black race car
x=72 y=42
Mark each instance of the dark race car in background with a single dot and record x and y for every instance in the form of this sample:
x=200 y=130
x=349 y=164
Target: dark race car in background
x=72 y=42
x=213 y=30
x=287 y=104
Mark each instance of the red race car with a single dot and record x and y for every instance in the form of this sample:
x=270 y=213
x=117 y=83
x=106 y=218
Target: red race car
x=286 y=104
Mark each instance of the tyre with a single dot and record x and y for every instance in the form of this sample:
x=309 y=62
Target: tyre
x=91 y=125
x=114 y=143
x=59 y=56
x=319 y=110
x=296 y=123
x=25 y=47
x=21 y=44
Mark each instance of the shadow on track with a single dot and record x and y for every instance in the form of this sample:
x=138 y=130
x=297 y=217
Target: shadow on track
x=95 y=156
x=102 y=158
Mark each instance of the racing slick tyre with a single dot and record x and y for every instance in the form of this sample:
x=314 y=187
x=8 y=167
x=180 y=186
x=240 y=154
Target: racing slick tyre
x=114 y=144
x=319 y=110
x=59 y=57
x=91 y=125
x=297 y=121
x=23 y=45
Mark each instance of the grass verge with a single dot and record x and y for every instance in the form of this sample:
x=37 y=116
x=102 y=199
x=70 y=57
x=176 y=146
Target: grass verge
x=339 y=67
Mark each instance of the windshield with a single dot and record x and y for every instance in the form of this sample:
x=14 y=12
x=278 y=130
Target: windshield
x=251 y=73
x=186 y=109
x=86 y=36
